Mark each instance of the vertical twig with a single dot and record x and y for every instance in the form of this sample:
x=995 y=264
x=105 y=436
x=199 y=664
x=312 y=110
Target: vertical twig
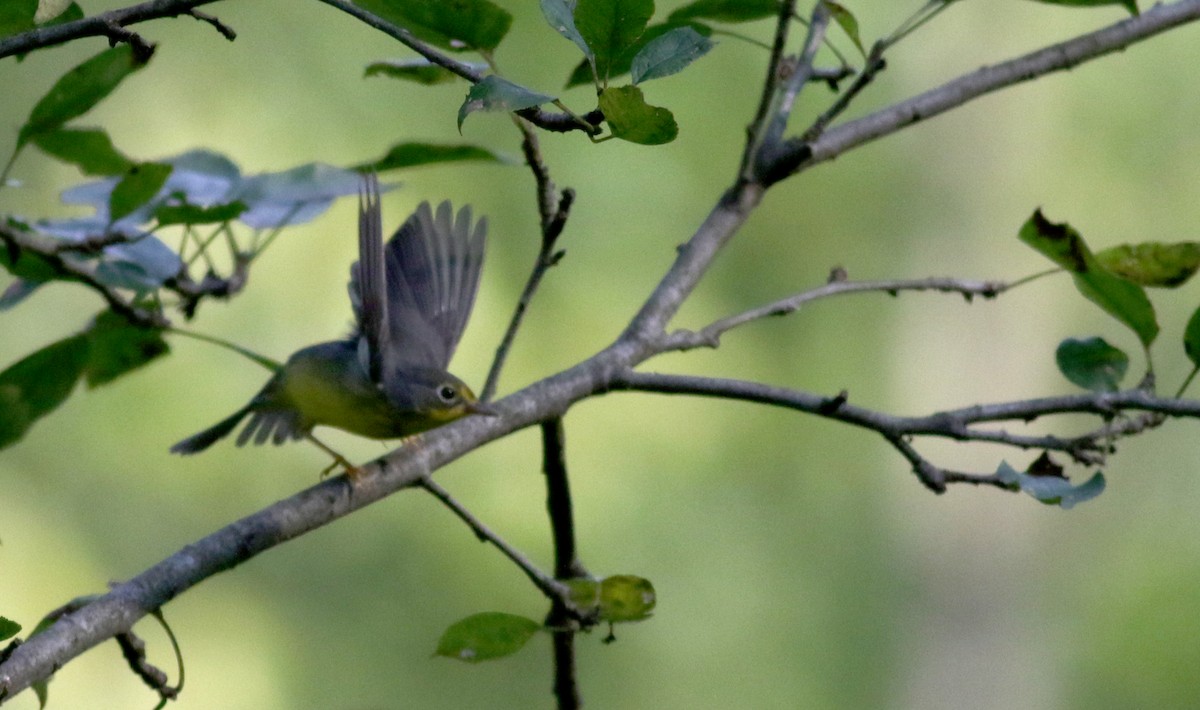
x=558 y=500
x=553 y=208
x=566 y=559
x=796 y=81
x=566 y=687
x=758 y=126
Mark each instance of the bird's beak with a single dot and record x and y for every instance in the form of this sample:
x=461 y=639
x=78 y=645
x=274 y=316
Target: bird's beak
x=483 y=408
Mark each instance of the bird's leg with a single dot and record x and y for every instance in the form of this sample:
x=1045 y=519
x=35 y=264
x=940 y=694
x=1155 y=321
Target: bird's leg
x=352 y=471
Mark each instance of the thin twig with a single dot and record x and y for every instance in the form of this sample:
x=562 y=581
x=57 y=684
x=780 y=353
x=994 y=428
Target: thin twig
x=553 y=589
x=959 y=91
x=107 y=24
x=795 y=83
x=553 y=209
x=957 y=424
x=543 y=119
x=558 y=500
x=873 y=66
x=225 y=30
x=566 y=559
x=16 y=242
x=757 y=130
x=710 y=335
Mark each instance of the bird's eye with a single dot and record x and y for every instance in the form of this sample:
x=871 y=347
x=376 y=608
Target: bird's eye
x=447 y=393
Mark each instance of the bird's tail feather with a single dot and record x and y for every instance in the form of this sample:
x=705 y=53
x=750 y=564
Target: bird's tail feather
x=199 y=442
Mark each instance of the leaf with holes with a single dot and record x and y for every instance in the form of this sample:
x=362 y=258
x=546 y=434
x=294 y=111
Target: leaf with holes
x=1123 y=300
x=1152 y=263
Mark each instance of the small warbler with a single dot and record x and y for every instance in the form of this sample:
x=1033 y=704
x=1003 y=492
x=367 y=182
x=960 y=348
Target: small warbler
x=388 y=379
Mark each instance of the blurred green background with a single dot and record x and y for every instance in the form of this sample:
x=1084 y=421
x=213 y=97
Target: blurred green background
x=798 y=563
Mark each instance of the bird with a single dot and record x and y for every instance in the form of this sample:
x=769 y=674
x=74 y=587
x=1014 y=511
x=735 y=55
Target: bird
x=388 y=379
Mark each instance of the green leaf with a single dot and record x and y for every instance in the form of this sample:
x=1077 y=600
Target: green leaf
x=585 y=593
x=137 y=187
x=26 y=264
x=485 y=636
x=1152 y=263
x=411 y=155
x=38 y=384
x=632 y=119
x=609 y=27
x=847 y=22
x=77 y=91
x=1191 y=338
x=669 y=54
x=496 y=94
x=624 y=597
x=1052 y=490
x=8 y=628
x=560 y=15
x=727 y=10
x=1092 y=363
x=419 y=70
x=457 y=25
x=1130 y=5
x=16 y=16
x=90 y=149
x=117 y=347
x=1123 y=300
x=622 y=64
x=194 y=214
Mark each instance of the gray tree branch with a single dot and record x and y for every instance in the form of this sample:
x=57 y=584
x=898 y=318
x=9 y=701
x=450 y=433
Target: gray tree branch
x=801 y=154
x=110 y=24
x=957 y=424
x=710 y=335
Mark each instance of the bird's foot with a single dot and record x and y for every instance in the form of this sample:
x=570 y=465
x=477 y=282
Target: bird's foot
x=354 y=473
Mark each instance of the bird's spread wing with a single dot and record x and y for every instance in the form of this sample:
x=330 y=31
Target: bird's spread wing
x=433 y=264
x=368 y=282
